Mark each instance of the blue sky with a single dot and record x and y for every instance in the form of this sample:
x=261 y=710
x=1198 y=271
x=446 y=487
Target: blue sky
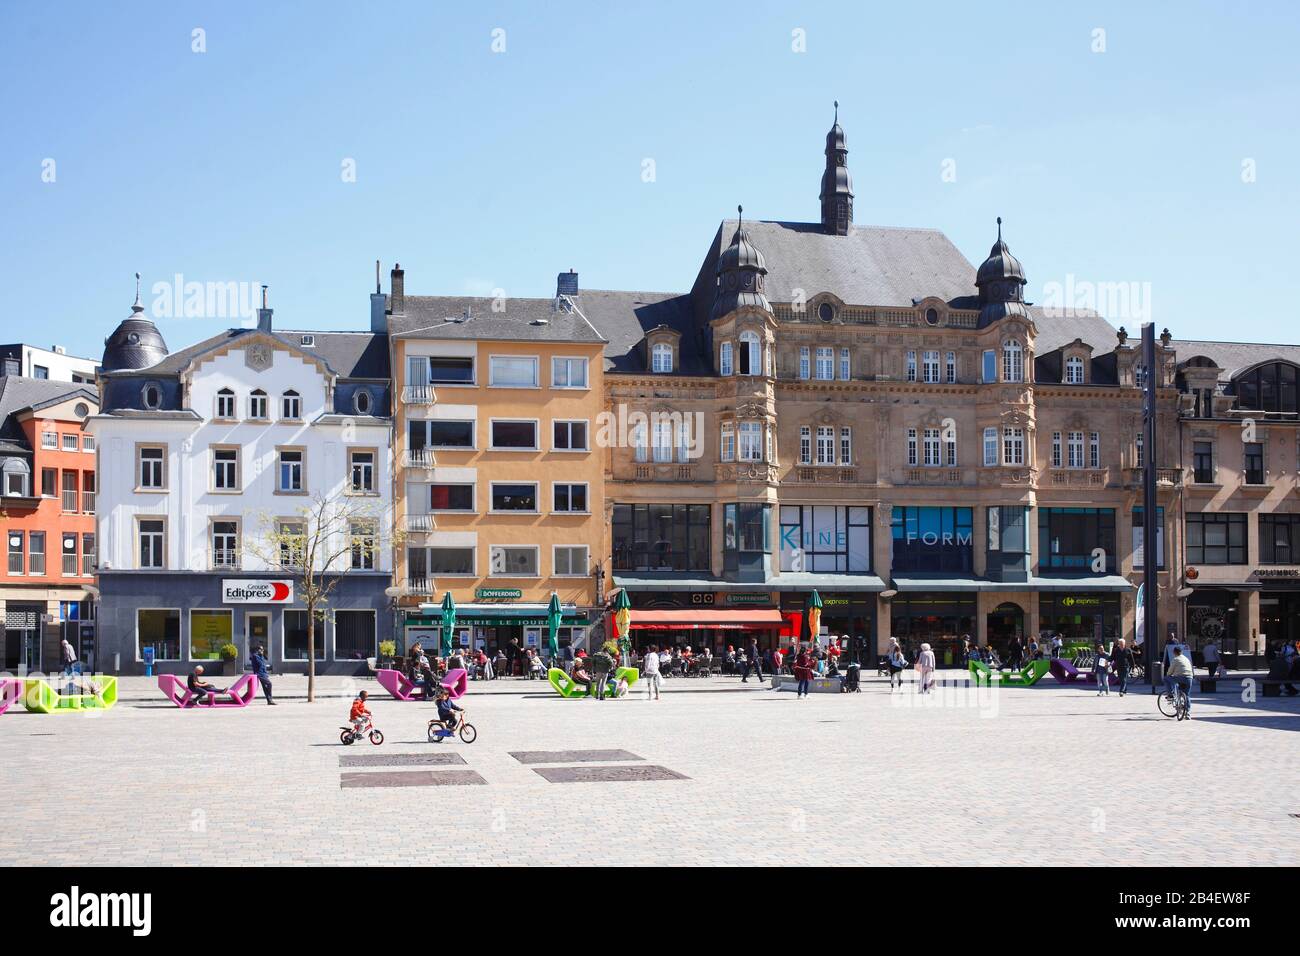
x=480 y=169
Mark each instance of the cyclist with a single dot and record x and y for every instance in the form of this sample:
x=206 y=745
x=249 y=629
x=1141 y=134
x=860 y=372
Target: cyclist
x=359 y=715
x=447 y=709
x=1180 y=674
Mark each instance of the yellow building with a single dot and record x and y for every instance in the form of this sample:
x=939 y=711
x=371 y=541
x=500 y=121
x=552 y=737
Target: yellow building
x=499 y=480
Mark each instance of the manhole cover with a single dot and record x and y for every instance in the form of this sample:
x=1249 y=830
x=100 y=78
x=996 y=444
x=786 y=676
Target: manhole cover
x=399 y=760
x=607 y=774
x=412 y=778
x=572 y=756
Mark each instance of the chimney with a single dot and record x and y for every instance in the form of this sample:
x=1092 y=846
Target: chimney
x=378 y=306
x=397 y=290
x=11 y=366
x=566 y=283
x=264 y=315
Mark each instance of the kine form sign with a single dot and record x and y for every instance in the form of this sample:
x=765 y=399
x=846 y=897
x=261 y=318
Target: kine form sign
x=256 y=592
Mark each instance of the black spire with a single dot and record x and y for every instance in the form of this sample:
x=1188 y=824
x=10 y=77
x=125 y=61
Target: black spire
x=1001 y=283
x=136 y=342
x=837 y=184
x=741 y=271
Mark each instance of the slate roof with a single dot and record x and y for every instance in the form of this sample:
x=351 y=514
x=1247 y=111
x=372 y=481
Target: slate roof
x=1234 y=357
x=435 y=317
x=18 y=393
x=349 y=354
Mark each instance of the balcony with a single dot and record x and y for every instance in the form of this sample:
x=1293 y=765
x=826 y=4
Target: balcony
x=419 y=524
x=1077 y=477
x=418 y=458
x=667 y=471
x=822 y=475
x=1165 y=477
x=418 y=394
x=419 y=587
x=933 y=476
x=225 y=560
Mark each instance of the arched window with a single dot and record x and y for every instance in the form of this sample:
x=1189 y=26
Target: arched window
x=1074 y=370
x=225 y=403
x=257 y=404
x=1269 y=388
x=291 y=405
x=751 y=354
x=661 y=358
x=724 y=359
x=1013 y=361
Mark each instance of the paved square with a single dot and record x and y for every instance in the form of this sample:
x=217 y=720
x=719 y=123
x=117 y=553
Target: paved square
x=399 y=760
x=1038 y=775
x=412 y=778
x=573 y=756
x=607 y=774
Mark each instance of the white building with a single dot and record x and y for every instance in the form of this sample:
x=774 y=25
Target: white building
x=53 y=363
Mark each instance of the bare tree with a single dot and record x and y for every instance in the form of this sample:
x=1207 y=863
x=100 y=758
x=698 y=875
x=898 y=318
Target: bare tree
x=322 y=541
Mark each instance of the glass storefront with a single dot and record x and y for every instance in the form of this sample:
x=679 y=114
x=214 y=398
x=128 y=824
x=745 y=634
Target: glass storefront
x=941 y=619
x=932 y=540
x=664 y=537
x=1080 y=618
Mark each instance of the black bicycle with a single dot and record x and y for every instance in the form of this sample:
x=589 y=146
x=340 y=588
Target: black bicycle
x=1174 y=705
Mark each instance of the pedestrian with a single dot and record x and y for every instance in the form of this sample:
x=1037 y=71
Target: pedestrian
x=261 y=669
x=1101 y=671
x=513 y=653
x=1056 y=645
x=752 y=661
x=1015 y=654
x=1122 y=661
x=1210 y=654
x=601 y=664
x=70 y=665
x=803 y=672
x=650 y=672
x=897 y=662
x=925 y=667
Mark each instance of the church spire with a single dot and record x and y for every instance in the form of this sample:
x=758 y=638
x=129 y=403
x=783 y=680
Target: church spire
x=837 y=184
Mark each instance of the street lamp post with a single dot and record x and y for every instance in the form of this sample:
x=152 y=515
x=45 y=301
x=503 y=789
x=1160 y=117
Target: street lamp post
x=1151 y=587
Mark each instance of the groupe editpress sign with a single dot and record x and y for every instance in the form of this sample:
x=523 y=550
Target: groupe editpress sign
x=256 y=592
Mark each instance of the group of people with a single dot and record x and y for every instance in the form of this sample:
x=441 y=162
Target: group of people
x=204 y=691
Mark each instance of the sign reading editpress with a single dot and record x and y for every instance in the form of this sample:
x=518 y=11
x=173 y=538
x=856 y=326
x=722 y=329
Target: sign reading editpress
x=498 y=594
x=256 y=592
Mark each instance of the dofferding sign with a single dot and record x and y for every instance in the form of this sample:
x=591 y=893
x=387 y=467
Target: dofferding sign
x=256 y=592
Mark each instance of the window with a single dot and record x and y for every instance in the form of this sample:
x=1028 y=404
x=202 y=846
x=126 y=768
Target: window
x=209 y=632
x=1013 y=361
x=152 y=542
x=990 y=447
x=1269 y=388
x=1075 y=446
x=1074 y=370
x=290 y=470
x=724 y=358
x=451 y=561
x=514 y=497
x=354 y=635
x=448 y=497
x=1007 y=554
x=570 y=372
x=751 y=441
x=569 y=561
x=512 y=371
x=225 y=403
x=950 y=368
x=49 y=439
x=1203 y=462
x=661 y=537
x=805 y=362
x=361 y=470
x=1254 y=463
x=661 y=358
x=1140 y=376
x=87 y=442
x=153 y=474
x=514 y=435
x=825 y=445
x=640 y=438
x=70 y=491
x=151 y=396
x=846 y=445
x=825 y=539
x=257 y=407
x=159 y=630
x=912 y=459
x=825 y=364
x=930 y=446
x=745 y=529
x=950 y=448
x=1138 y=453
x=569 y=436
x=292 y=536
x=932 y=539
x=295 y=635
x=17 y=541
x=805 y=445
x=69 y=442
x=569 y=498
x=1068 y=538
x=1013 y=445
x=17 y=477
x=1056 y=449
x=1139 y=535
x=518 y=561
x=911 y=366
x=1218 y=538
x=88 y=492
x=225 y=469
x=36 y=552
x=362 y=401
x=930 y=367
x=439 y=433
x=291 y=406
x=1094 y=450
x=40 y=371
x=225 y=544
x=684 y=440
x=442 y=370
x=751 y=354
x=1279 y=539
x=663 y=443
x=49 y=482
x=727 y=442
x=364 y=543
x=846 y=365
x=771 y=444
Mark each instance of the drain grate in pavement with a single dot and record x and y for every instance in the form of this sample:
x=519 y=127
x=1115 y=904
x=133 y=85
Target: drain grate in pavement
x=607 y=774
x=412 y=778
x=400 y=760
x=572 y=756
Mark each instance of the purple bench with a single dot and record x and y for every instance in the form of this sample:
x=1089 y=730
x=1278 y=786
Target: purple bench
x=11 y=691
x=402 y=687
x=239 y=694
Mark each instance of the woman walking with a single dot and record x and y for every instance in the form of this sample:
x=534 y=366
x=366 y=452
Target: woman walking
x=925 y=667
x=897 y=663
x=650 y=671
x=803 y=671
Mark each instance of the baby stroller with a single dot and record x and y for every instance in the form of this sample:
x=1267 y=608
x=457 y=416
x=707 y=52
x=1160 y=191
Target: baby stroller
x=852 y=682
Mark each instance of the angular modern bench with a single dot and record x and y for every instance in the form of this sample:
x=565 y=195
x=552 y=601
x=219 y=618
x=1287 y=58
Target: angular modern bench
x=402 y=687
x=40 y=696
x=983 y=675
x=11 y=691
x=239 y=694
x=567 y=687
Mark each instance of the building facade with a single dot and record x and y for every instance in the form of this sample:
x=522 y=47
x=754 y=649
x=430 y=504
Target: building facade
x=53 y=364
x=47 y=510
x=500 y=479
x=226 y=468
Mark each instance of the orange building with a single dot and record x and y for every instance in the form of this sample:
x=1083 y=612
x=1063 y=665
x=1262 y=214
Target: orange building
x=47 y=508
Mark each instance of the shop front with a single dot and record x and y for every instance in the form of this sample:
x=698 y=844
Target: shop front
x=942 y=619
x=850 y=614
x=1080 y=618
x=1212 y=616
x=706 y=626
x=499 y=628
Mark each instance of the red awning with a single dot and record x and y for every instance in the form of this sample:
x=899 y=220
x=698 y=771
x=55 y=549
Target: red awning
x=705 y=619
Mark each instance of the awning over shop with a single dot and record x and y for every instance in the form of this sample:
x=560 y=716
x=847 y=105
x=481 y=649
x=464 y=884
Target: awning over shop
x=804 y=581
x=706 y=619
x=663 y=581
x=501 y=615
x=1073 y=583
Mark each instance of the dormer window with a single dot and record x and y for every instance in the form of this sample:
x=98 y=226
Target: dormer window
x=257 y=405
x=661 y=358
x=151 y=396
x=362 y=401
x=291 y=406
x=826 y=312
x=1013 y=361
x=225 y=403
x=1074 y=370
x=307 y=341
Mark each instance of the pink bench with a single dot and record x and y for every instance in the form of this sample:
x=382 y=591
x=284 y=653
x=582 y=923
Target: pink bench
x=402 y=687
x=11 y=691
x=240 y=694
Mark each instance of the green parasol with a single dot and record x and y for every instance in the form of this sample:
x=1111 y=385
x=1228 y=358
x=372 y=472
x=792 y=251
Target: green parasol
x=553 y=613
x=448 y=622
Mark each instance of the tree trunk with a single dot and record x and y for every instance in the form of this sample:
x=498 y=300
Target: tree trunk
x=311 y=654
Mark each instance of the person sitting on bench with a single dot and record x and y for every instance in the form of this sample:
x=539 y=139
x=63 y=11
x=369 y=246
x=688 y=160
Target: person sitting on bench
x=199 y=687
x=580 y=675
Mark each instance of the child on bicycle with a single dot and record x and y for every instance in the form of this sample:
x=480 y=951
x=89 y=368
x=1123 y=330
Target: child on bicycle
x=447 y=708
x=360 y=713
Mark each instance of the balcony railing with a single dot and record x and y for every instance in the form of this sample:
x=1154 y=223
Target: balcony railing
x=824 y=475
x=225 y=559
x=419 y=586
x=933 y=476
x=419 y=524
x=418 y=394
x=666 y=471
x=1078 y=477
x=418 y=458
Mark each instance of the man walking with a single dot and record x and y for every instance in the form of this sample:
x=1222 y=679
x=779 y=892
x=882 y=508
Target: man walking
x=261 y=670
x=1122 y=660
x=752 y=660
